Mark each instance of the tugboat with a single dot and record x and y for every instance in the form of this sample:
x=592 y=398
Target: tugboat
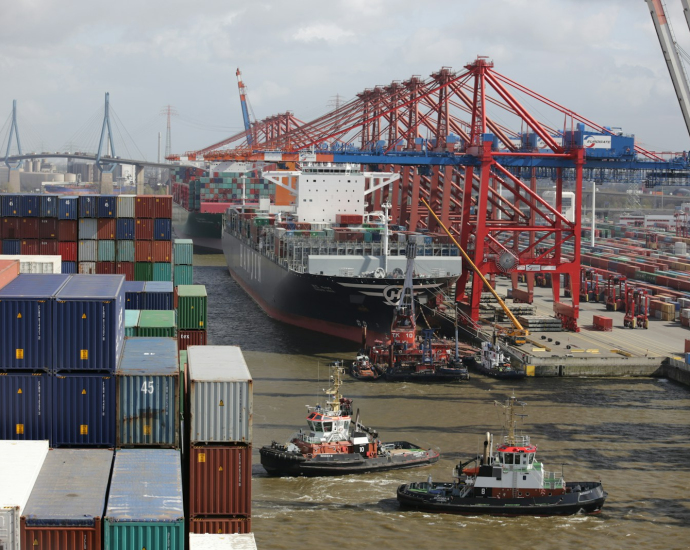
x=335 y=445
x=508 y=482
x=491 y=361
x=362 y=369
x=404 y=357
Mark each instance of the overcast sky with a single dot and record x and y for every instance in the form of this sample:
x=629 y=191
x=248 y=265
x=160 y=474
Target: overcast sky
x=601 y=58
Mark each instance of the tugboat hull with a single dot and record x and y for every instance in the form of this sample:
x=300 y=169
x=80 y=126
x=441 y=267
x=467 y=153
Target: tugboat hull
x=438 y=497
x=439 y=375
x=278 y=461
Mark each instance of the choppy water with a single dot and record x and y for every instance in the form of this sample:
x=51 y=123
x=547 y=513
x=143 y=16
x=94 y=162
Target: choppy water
x=633 y=434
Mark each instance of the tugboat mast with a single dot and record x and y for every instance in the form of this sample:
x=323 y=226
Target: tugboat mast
x=333 y=393
x=510 y=416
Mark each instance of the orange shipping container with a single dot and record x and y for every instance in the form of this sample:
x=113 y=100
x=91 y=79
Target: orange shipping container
x=142 y=251
x=162 y=251
x=9 y=270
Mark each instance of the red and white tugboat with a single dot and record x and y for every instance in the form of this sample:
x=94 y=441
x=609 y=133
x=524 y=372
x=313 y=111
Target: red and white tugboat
x=510 y=481
x=334 y=444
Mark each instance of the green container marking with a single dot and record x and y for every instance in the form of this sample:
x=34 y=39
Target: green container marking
x=192 y=307
x=162 y=271
x=143 y=271
x=183 y=275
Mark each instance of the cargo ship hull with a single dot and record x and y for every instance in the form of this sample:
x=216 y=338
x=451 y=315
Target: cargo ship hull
x=204 y=229
x=335 y=305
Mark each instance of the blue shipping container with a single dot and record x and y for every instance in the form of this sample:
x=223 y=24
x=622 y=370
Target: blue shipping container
x=90 y=323
x=70 y=267
x=31 y=206
x=25 y=406
x=107 y=206
x=145 y=501
x=88 y=206
x=10 y=205
x=83 y=410
x=148 y=385
x=49 y=206
x=134 y=294
x=11 y=246
x=157 y=295
x=26 y=321
x=162 y=228
x=70 y=491
x=124 y=230
x=67 y=208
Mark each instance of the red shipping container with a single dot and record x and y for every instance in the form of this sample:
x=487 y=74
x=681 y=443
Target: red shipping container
x=29 y=246
x=186 y=338
x=603 y=323
x=64 y=538
x=28 y=228
x=162 y=206
x=220 y=480
x=143 y=230
x=162 y=251
x=48 y=247
x=68 y=251
x=145 y=206
x=687 y=344
x=220 y=526
x=105 y=268
x=10 y=228
x=68 y=230
x=47 y=228
x=126 y=269
x=142 y=251
x=106 y=229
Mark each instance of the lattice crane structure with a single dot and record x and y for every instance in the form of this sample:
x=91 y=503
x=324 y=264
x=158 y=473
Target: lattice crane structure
x=467 y=143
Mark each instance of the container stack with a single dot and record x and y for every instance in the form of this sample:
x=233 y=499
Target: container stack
x=145 y=506
x=222 y=542
x=93 y=234
x=183 y=254
x=68 y=500
x=220 y=397
x=191 y=302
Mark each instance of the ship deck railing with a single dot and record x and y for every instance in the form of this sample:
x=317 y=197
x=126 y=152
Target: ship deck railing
x=518 y=440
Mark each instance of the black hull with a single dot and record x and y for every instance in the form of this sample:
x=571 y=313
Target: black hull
x=324 y=303
x=439 y=375
x=589 y=500
x=500 y=374
x=279 y=462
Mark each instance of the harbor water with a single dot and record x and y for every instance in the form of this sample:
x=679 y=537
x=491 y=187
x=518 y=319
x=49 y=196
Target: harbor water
x=630 y=433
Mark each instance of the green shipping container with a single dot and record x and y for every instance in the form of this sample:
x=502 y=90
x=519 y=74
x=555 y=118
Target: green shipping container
x=143 y=271
x=125 y=251
x=131 y=321
x=191 y=307
x=106 y=251
x=183 y=251
x=183 y=275
x=162 y=271
x=157 y=323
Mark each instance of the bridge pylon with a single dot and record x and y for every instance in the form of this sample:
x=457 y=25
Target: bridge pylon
x=13 y=184
x=109 y=145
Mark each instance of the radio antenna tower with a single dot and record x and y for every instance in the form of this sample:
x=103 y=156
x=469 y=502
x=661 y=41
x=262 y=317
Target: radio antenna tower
x=169 y=111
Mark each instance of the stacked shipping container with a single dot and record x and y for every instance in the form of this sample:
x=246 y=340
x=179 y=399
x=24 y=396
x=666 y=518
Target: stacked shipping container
x=191 y=303
x=219 y=396
x=183 y=254
x=125 y=234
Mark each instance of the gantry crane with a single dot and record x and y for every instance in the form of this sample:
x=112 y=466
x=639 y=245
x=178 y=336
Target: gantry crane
x=245 y=110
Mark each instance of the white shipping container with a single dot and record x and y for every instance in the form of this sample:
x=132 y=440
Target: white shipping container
x=125 y=206
x=221 y=395
x=20 y=464
x=222 y=542
x=32 y=263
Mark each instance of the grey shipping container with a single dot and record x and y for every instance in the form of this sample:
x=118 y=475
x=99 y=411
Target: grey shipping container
x=88 y=251
x=106 y=251
x=125 y=251
x=237 y=541
x=90 y=323
x=26 y=321
x=125 y=206
x=88 y=229
x=21 y=464
x=87 y=268
x=220 y=395
x=68 y=500
x=148 y=385
x=145 y=508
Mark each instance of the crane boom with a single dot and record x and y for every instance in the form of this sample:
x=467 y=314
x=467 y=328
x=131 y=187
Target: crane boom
x=245 y=111
x=686 y=11
x=668 y=48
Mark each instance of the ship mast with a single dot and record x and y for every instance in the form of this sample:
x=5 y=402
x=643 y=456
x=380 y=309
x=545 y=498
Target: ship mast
x=333 y=393
x=510 y=416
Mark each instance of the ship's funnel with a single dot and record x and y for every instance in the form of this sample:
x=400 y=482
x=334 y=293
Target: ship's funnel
x=487 y=448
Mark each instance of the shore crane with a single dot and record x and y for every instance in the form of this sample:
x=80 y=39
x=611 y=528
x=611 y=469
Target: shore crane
x=245 y=110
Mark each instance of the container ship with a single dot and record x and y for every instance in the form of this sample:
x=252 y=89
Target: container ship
x=321 y=262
